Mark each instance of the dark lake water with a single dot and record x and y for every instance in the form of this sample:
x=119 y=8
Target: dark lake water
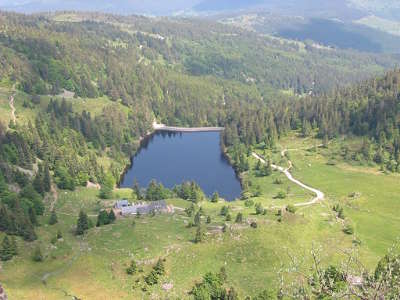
x=174 y=157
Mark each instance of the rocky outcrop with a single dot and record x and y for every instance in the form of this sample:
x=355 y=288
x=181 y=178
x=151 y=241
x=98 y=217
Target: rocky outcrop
x=3 y=295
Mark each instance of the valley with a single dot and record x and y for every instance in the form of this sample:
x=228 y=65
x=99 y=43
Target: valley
x=265 y=166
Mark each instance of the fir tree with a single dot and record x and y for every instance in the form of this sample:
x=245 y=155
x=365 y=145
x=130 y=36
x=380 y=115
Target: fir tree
x=111 y=216
x=82 y=224
x=215 y=197
x=6 y=251
x=159 y=267
x=53 y=218
x=46 y=178
x=132 y=268
x=14 y=246
x=199 y=235
x=197 y=219
x=32 y=216
x=102 y=218
x=37 y=254
x=239 y=218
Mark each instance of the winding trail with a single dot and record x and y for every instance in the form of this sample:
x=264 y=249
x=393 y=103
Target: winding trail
x=320 y=196
x=13 y=118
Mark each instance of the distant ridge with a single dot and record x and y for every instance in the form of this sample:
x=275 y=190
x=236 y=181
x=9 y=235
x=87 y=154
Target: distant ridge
x=213 y=5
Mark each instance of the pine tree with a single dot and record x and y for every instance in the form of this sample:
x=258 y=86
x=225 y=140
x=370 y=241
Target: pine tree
x=208 y=220
x=159 y=267
x=197 y=219
x=46 y=178
x=32 y=216
x=53 y=218
x=14 y=246
x=6 y=252
x=82 y=224
x=132 y=268
x=38 y=181
x=215 y=197
x=111 y=216
x=102 y=218
x=37 y=254
x=199 y=235
x=239 y=218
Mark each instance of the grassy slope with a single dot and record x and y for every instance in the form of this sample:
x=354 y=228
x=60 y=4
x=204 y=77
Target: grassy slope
x=93 y=267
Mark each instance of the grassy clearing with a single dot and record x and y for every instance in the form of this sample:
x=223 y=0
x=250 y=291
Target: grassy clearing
x=93 y=267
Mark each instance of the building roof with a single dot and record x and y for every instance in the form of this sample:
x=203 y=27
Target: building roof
x=121 y=203
x=144 y=208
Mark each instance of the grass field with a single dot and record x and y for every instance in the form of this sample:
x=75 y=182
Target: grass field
x=93 y=267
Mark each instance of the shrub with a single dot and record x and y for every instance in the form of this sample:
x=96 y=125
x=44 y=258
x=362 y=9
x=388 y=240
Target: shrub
x=253 y=224
x=348 y=229
x=280 y=195
x=132 y=268
x=291 y=209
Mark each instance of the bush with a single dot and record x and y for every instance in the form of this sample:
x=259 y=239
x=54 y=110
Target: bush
x=348 y=229
x=253 y=224
x=291 y=209
x=280 y=195
x=37 y=255
x=249 y=203
x=132 y=268
x=239 y=218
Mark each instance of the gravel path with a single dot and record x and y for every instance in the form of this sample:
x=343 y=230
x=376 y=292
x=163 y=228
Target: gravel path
x=319 y=195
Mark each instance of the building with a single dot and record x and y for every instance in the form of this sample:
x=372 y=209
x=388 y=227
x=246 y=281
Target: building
x=121 y=203
x=124 y=208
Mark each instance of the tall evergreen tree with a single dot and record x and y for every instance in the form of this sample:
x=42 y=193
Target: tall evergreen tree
x=6 y=251
x=82 y=224
x=53 y=218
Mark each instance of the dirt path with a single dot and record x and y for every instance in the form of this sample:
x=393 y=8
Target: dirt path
x=319 y=195
x=13 y=118
x=55 y=197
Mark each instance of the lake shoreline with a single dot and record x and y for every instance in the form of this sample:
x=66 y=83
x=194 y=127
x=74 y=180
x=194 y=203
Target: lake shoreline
x=161 y=129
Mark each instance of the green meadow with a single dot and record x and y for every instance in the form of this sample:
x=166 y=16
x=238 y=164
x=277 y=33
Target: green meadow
x=94 y=266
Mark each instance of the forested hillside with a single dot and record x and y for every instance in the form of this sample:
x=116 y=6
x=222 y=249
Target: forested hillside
x=79 y=91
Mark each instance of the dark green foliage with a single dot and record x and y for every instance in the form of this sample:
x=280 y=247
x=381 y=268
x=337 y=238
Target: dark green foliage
x=82 y=223
x=224 y=210
x=253 y=224
x=348 y=229
x=280 y=195
x=189 y=191
x=208 y=221
x=199 y=237
x=107 y=187
x=103 y=218
x=159 y=267
x=37 y=254
x=6 y=250
x=59 y=234
x=339 y=210
x=215 y=197
x=132 y=268
x=53 y=218
x=152 y=278
x=228 y=217
x=190 y=210
x=259 y=209
x=212 y=287
x=111 y=216
x=291 y=209
x=239 y=218
x=156 y=191
x=197 y=219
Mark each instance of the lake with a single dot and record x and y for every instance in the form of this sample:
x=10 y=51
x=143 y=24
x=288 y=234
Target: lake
x=174 y=157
